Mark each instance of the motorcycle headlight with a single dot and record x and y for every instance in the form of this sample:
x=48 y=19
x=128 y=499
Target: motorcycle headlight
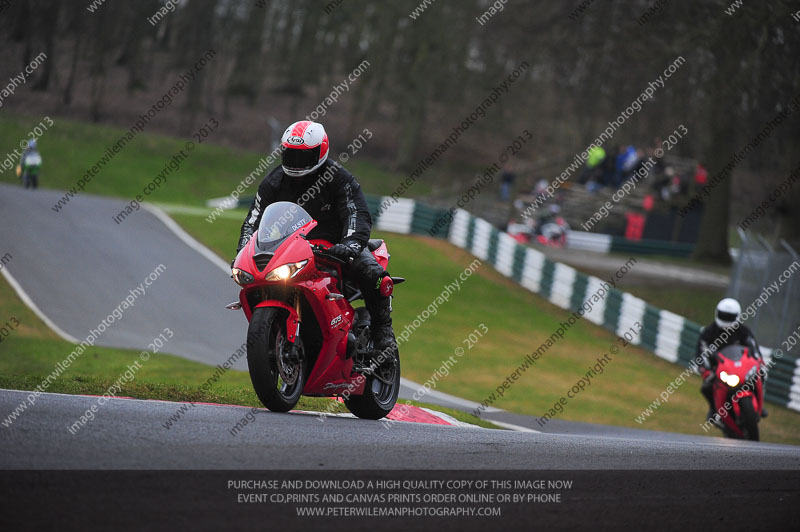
x=730 y=380
x=242 y=277
x=286 y=271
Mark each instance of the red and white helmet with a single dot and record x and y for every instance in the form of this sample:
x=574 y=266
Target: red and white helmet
x=304 y=148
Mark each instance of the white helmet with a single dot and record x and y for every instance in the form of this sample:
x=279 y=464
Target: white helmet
x=727 y=313
x=304 y=147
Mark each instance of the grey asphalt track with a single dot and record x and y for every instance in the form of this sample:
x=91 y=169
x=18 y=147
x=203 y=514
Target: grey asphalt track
x=646 y=271
x=78 y=266
x=129 y=434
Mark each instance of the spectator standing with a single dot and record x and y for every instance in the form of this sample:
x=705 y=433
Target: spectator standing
x=30 y=164
x=506 y=182
x=593 y=169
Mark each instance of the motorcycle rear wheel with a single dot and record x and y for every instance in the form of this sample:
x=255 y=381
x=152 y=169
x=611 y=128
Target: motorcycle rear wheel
x=277 y=380
x=380 y=394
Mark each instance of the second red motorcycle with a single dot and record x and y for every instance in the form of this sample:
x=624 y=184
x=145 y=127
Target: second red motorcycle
x=739 y=392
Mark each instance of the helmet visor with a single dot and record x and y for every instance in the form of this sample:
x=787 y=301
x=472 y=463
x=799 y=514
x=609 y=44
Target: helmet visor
x=300 y=158
x=727 y=317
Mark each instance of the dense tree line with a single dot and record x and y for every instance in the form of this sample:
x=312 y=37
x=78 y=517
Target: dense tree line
x=281 y=57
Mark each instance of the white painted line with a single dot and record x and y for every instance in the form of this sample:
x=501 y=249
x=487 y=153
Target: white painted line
x=512 y=427
x=28 y=301
x=435 y=394
x=450 y=419
x=226 y=202
x=171 y=208
x=187 y=238
x=324 y=414
x=166 y=220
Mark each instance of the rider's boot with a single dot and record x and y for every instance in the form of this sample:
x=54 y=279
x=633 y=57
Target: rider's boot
x=380 y=313
x=706 y=389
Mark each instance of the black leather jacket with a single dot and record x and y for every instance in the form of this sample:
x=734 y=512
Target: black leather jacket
x=331 y=195
x=708 y=339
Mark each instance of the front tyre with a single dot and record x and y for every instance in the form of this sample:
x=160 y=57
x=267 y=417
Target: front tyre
x=276 y=369
x=380 y=391
x=748 y=419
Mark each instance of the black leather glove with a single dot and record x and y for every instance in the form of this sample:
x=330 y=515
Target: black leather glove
x=752 y=346
x=345 y=251
x=247 y=232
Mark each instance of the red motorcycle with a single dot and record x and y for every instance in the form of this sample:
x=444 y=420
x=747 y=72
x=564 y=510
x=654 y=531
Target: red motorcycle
x=304 y=337
x=739 y=392
x=552 y=232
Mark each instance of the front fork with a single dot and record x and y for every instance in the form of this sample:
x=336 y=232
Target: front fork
x=297 y=318
x=294 y=311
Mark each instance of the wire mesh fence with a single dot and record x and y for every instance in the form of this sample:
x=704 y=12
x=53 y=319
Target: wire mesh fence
x=762 y=268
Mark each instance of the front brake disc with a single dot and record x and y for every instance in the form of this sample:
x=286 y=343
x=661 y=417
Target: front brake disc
x=288 y=369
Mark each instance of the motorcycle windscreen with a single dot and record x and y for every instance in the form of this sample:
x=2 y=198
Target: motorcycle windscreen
x=279 y=221
x=734 y=352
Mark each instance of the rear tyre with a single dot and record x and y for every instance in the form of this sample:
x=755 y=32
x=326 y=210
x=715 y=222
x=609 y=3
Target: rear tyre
x=749 y=419
x=380 y=391
x=278 y=377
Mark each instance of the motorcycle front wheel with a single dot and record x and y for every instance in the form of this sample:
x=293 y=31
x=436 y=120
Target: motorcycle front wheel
x=749 y=419
x=276 y=370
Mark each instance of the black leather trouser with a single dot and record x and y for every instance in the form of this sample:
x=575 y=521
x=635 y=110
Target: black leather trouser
x=366 y=273
x=707 y=389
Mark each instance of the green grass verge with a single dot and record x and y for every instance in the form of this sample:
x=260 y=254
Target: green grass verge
x=162 y=377
x=27 y=361
x=69 y=148
x=518 y=323
x=693 y=303
x=139 y=389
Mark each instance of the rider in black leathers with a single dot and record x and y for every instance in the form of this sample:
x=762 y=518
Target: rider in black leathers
x=724 y=331
x=333 y=197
